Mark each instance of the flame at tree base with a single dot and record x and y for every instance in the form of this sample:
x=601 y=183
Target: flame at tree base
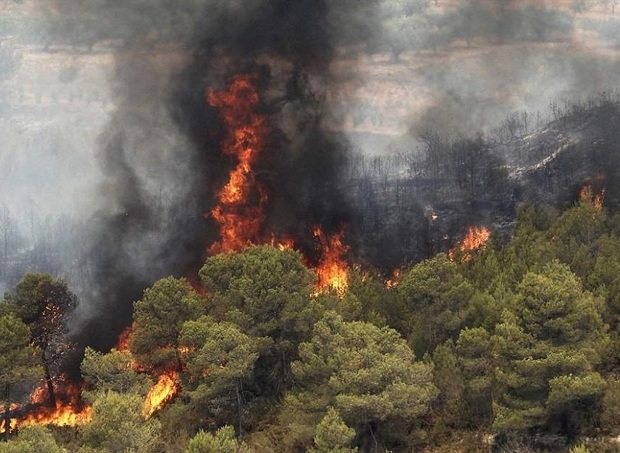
x=475 y=239
x=166 y=388
x=70 y=410
x=332 y=270
x=587 y=195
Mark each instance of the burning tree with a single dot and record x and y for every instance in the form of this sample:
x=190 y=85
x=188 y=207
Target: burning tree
x=239 y=212
x=44 y=304
x=19 y=362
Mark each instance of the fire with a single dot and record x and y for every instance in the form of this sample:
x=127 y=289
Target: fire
x=168 y=383
x=70 y=410
x=282 y=244
x=239 y=212
x=166 y=388
x=332 y=269
x=393 y=281
x=587 y=196
x=475 y=239
x=123 y=339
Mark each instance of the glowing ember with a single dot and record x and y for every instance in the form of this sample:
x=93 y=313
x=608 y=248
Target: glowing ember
x=123 y=340
x=239 y=212
x=332 y=269
x=166 y=388
x=194 y=280
x=282 y=244
x=587 y=196
x=394 y=280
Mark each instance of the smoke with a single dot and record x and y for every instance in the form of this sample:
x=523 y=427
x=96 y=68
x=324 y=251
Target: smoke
x=158 y=160
x=119 y=153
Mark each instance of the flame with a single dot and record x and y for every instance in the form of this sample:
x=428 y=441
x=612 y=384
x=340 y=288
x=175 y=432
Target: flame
x=167 y=385
x=282 y=243
x=332 y=270
x=123 y=339
x=239 y=212
x=70 y=410
x=393 y=281
x=587 y=196
x=475 y=239
x=166 y=388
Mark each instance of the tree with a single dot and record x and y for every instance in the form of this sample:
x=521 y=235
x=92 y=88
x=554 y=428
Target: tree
x=223 y=441
x=158 y=318
x=472 y=20
x=112 y=371
x=403 y=25
x=604 y=276
x=367 y=374
x=475 y=357
x=609 y=419
x=266 y=292
x=32 y=439
x=117 y=425
x=437 y=297
x=448 y=377
x=19 y=361
x=368 y=299
x=545 y=350
x=469 y=158
x=220 y=364
x=45 y=304
x=576 y=235
x=333 y=435
x=529 y=249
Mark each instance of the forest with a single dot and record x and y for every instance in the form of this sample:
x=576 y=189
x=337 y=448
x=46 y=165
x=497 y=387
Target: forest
x=477 y=305
x=511 y=347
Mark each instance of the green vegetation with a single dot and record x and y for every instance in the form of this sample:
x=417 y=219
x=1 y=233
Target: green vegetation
x=519 y=342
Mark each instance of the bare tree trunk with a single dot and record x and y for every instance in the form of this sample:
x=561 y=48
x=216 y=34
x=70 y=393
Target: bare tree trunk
x=7 y=411
x=50 y=384
x=239 y=403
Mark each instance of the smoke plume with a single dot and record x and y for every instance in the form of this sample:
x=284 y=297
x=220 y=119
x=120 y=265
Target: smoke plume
x=122 y=156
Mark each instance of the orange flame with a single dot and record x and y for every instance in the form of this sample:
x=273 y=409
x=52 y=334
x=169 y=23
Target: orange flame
x=587 y=196
x=123 y=340
x=282 y=243
x=475 y=239
x=70 y=410
x=332 y=270
x=166 y=388
x=239 y=212
x=167 y=385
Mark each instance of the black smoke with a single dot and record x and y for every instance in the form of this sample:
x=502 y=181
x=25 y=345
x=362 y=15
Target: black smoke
x=288 y=47
x=159 y=155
